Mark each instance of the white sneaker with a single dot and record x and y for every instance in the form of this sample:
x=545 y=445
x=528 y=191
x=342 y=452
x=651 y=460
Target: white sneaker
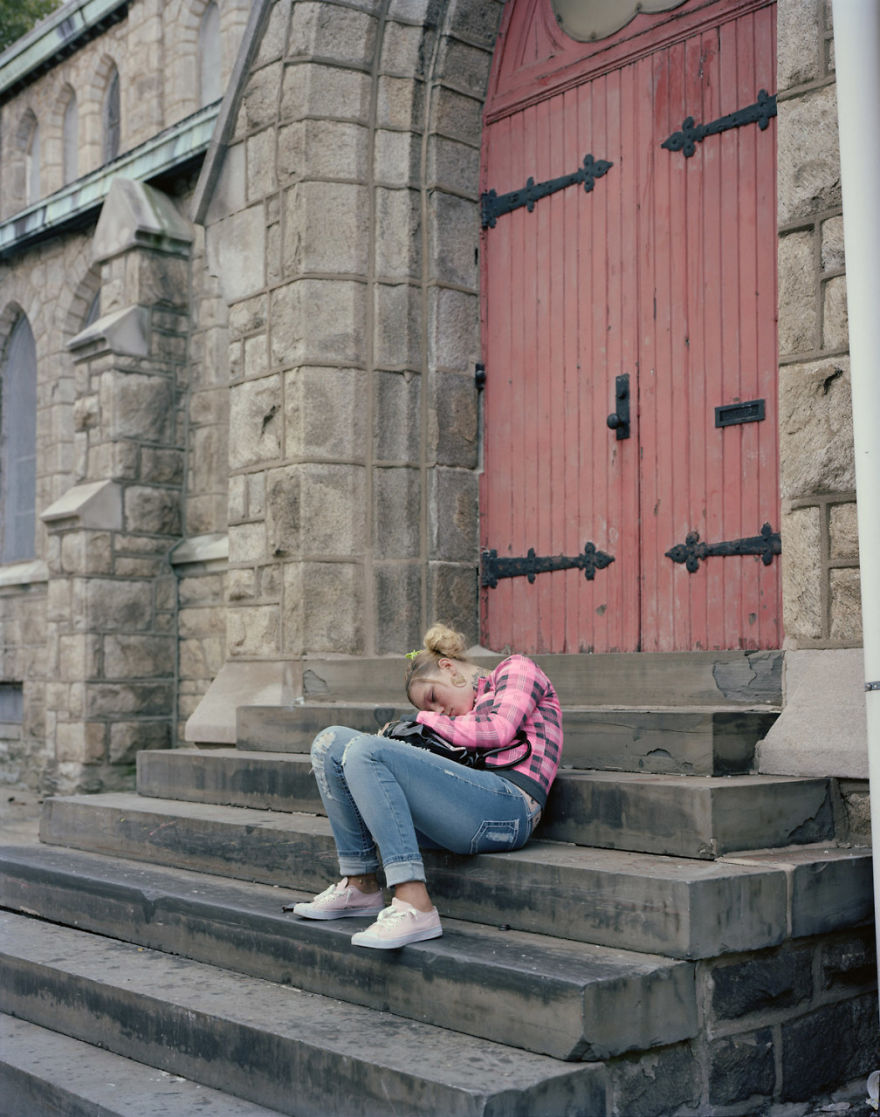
x=340 y=901
x=398 y=925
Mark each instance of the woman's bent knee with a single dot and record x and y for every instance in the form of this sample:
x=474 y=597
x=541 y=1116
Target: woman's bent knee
x=323 y=744
x=363 y=746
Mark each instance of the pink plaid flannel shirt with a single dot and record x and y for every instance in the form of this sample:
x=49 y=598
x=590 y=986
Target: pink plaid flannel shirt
x=516 y=695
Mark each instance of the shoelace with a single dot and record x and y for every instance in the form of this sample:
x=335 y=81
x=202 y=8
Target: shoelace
x=390 y=915
x=329 y=893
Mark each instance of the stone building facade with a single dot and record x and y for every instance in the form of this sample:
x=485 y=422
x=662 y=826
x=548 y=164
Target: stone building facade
x=265 y=443
x=131 y=417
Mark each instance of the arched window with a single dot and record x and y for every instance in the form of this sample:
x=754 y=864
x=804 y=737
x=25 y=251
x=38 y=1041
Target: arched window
x=32 y=165
x=210 y=69
x=18 y=444
x=70 y=140
x=111 y=118
x=588 y=20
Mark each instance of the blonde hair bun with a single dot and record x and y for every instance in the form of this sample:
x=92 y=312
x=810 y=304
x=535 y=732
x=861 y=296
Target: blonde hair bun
x=444 y=641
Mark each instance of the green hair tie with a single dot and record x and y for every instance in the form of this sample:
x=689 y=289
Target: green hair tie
x=413 y=654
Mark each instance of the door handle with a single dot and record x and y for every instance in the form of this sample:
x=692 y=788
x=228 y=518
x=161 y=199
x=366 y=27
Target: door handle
x=618 y=420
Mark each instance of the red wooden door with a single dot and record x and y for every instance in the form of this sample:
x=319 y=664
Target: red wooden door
x=663 y=270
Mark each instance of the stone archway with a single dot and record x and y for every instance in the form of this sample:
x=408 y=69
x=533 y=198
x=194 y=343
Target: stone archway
x=344 y=227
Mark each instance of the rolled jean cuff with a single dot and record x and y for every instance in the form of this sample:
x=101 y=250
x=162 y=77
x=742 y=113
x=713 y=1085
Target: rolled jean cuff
x=399 y=872
x=358 y=867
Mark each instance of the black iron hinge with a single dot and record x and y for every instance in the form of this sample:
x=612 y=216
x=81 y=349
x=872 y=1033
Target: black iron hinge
x=691 y=134
x=493 y=206
x=530 y=565
x=767 y=544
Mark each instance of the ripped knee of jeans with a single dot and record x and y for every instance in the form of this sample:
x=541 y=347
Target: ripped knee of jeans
x=355 y=743
x=320 y=748
x=323 y=741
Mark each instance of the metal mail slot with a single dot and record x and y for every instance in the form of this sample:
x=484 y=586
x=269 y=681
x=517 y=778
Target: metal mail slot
x=752 y=411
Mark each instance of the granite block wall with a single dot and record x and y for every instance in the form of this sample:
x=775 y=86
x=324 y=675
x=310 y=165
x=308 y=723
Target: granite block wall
x=821 y=599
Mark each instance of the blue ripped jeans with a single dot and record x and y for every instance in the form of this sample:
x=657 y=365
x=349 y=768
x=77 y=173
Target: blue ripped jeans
x=383 y=793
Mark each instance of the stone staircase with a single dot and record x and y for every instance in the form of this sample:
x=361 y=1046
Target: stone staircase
x=680 y=937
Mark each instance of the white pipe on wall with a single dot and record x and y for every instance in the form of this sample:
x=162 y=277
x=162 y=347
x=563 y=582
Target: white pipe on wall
x=857 y=57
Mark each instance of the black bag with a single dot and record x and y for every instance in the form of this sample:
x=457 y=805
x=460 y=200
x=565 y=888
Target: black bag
x=423 y=737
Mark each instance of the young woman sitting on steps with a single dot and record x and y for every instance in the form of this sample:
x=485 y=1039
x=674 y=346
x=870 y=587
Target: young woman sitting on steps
x=386 y=799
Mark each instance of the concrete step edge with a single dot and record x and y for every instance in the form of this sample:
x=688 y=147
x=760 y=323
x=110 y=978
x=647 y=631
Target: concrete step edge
x=675 y=906
x=679 y=907
x=537 y=992
x=297 y=1052
x=43 y=1071
x=688 y=816
x=292 y=822
x=735 y=677
x=694 y=740
x=599 y=775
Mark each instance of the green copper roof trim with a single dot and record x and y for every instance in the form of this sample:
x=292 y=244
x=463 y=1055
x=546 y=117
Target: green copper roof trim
x=75 y=201
x=59 y=34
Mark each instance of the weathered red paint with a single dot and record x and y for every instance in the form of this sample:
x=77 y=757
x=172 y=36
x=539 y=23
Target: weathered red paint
x=665 y=271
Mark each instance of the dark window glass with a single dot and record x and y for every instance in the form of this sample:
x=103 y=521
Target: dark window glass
x=111 y=119
x=18 y=445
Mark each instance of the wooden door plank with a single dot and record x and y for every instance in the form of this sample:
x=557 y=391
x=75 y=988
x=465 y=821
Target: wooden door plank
x=727 y=618
x=562 y=302
x=751 y=513
x=541 y=601
x=699 y=52
x=711 y=304
x=569 y=451
x=682 y=481
x=498 y=266
x=648 y=331
x=626 y=538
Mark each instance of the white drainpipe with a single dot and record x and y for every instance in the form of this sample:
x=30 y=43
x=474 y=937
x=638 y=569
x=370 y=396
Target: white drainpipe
x=857 y=54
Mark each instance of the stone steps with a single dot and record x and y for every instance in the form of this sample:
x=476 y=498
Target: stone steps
x=43 y=1072
x=683 y=816
x=275 y=1045
x=568 y=1000
x=687 y=816
x=653 y=680
x=699 y=713
x=647 y=953
x=682 y=908
x=691 y=740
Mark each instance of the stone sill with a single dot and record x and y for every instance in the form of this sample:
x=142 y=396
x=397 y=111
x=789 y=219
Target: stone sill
x=208 y=551
x=806 y=87
x=15 y=574
x=812 y=356
x=73 y=202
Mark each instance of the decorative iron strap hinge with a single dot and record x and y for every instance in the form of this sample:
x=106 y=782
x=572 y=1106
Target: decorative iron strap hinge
x=691 y=134
x=493 y=206
x=767 y=544
x=493 y=568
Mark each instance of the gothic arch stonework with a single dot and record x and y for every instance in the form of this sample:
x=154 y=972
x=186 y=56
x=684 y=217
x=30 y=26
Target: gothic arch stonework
x=92 y=108
x=183 y=46
x=16 y=176
x=356 y=146
x=16 y=304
